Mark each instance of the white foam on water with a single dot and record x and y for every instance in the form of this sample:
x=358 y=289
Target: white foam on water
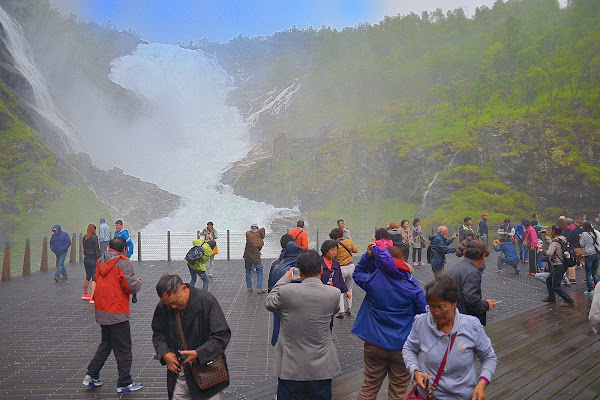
x=188 y=137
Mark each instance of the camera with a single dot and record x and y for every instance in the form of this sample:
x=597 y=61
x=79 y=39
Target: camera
x=296 y=273
x=181 y=357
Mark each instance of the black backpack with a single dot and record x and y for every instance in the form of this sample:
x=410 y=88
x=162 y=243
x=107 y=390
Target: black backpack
x=429 y=253
x=569 y=259
x=194 y=254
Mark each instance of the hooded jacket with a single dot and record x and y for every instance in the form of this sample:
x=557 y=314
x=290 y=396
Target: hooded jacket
x=393 y=298
x=103 y=231
x=439 y=249
x=115 y=281
x=254 y=243
x=60 y=242
x=125 y=235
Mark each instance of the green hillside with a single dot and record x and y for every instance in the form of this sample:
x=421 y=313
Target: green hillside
x=501 y=109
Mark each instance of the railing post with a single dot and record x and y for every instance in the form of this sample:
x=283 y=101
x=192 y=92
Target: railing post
x=27 y=258
x=139 y=246
x=197 y=234
x=73 y=255
x=6 y=263
x=44 y=260
x=228 y=253
x=168 y=245
x=317 y=239
x=81 y=247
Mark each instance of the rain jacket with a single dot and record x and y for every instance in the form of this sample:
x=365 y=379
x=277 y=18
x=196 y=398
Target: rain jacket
x=200 y=265
x=60 y=242
x=125 y=235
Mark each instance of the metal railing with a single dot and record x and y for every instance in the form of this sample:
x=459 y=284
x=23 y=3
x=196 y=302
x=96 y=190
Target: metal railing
x=168 y=246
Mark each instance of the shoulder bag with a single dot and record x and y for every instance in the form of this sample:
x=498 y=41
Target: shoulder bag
x=413 y=393
x=210 y=374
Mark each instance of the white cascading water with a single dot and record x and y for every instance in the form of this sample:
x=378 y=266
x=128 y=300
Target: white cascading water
x=188 y=138
x=17 y=45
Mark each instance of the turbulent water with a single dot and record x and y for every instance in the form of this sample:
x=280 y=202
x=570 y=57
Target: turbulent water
x=188 y=138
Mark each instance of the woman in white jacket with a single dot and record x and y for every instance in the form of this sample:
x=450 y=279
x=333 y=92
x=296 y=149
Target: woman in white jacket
x=590 y=241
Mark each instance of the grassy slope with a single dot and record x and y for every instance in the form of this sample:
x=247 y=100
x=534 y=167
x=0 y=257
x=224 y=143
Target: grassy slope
x=36 y=189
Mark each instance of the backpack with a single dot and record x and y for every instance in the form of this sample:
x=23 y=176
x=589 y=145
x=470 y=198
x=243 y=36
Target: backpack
x=569 y=259
x=194 y=254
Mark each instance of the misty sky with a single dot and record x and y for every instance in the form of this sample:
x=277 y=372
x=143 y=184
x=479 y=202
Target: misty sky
x=179 y=21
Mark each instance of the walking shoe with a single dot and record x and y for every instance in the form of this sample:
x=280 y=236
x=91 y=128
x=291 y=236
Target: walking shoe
x=132 y=387
x=572 y=281
x=565 y=304
x=526 y=262
x=340 y=316
x=589 y=292
x=210 y=275
x=88 y=381
x=85 y=296
x=92 y=300
x=259 y=291
x=249 y=289
x=414 y=263
x=64 y=277
x=55 y=279
x=500 y=271
x=348 y=312
x=517 y=272
x=548 y=299
x=421 y=263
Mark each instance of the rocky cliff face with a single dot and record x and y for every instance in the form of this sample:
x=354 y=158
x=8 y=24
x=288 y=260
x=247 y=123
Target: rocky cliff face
x=128 y=197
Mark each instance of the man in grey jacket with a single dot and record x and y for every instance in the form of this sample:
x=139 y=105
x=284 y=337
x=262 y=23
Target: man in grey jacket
x=467 y=278
x=305 y=357
x=103 y=236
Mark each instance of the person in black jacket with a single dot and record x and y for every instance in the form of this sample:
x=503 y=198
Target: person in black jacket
x=467 y=278
x=206 y=333
x=91 y=254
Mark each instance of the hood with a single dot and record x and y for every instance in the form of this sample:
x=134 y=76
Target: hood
x=57 y=227
x=292 y=250
x=198 y=242
x=433 y=325
x=107 y=261
x=395 y=231
x=431 y=237
x=102 y=221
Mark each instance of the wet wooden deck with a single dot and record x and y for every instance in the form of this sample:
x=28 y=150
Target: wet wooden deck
x=49 y=335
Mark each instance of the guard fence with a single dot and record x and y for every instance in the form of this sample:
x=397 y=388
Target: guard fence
x=35 y=255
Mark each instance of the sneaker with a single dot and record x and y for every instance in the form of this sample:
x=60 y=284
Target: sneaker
x=85 y=296
x=526 y=262
x=88 y=381
x=249 y=289
x=565 y=304
x=55 y=279
x=348 y=312
x=589 y=292
x=421 y=263
x=517 y=272
x=259 y=291
x=414 y=263
x=92 y=300
x=572 y=281
x=64 y=278
x=210 y=275
x=548 y=299
x=340 y=316
x=500 y=271
x=132 y=387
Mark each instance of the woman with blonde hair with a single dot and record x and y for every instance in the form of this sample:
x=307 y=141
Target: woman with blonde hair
x=91 y=254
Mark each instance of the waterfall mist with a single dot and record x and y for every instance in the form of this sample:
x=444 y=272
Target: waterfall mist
x=186 y=138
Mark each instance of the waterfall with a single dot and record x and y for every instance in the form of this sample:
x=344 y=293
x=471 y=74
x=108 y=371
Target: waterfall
x=424 y=208
x=17 y=45
x=187 y=138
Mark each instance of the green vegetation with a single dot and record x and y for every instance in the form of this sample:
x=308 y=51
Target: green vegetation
x=514 y=92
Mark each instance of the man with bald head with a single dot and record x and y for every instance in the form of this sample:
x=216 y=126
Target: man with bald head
x=438 y=248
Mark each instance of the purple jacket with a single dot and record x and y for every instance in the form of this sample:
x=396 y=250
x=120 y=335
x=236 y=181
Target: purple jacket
x=338 y=280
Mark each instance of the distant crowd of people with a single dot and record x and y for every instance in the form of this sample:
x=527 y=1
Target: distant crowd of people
x=409 y=333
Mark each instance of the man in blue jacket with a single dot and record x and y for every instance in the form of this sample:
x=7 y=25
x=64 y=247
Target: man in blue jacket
x=439 y=248
x=509 y=253
x=59 y=244
x=124 y=233
x=393 y=298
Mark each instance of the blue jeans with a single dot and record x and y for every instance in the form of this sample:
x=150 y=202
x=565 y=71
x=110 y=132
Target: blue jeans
x=591 y=270
x=202 y=275
x=60 y=266
x=484 y=237
x=523 y=251
x=259 y=274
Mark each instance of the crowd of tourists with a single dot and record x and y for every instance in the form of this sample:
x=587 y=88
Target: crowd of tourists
x=409 y=333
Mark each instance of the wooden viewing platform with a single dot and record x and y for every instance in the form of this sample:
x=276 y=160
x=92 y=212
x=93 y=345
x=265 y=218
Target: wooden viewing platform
x=49 y=335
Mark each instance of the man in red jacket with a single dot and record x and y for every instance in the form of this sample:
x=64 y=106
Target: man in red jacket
x=300 y=236
x=115 y=281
